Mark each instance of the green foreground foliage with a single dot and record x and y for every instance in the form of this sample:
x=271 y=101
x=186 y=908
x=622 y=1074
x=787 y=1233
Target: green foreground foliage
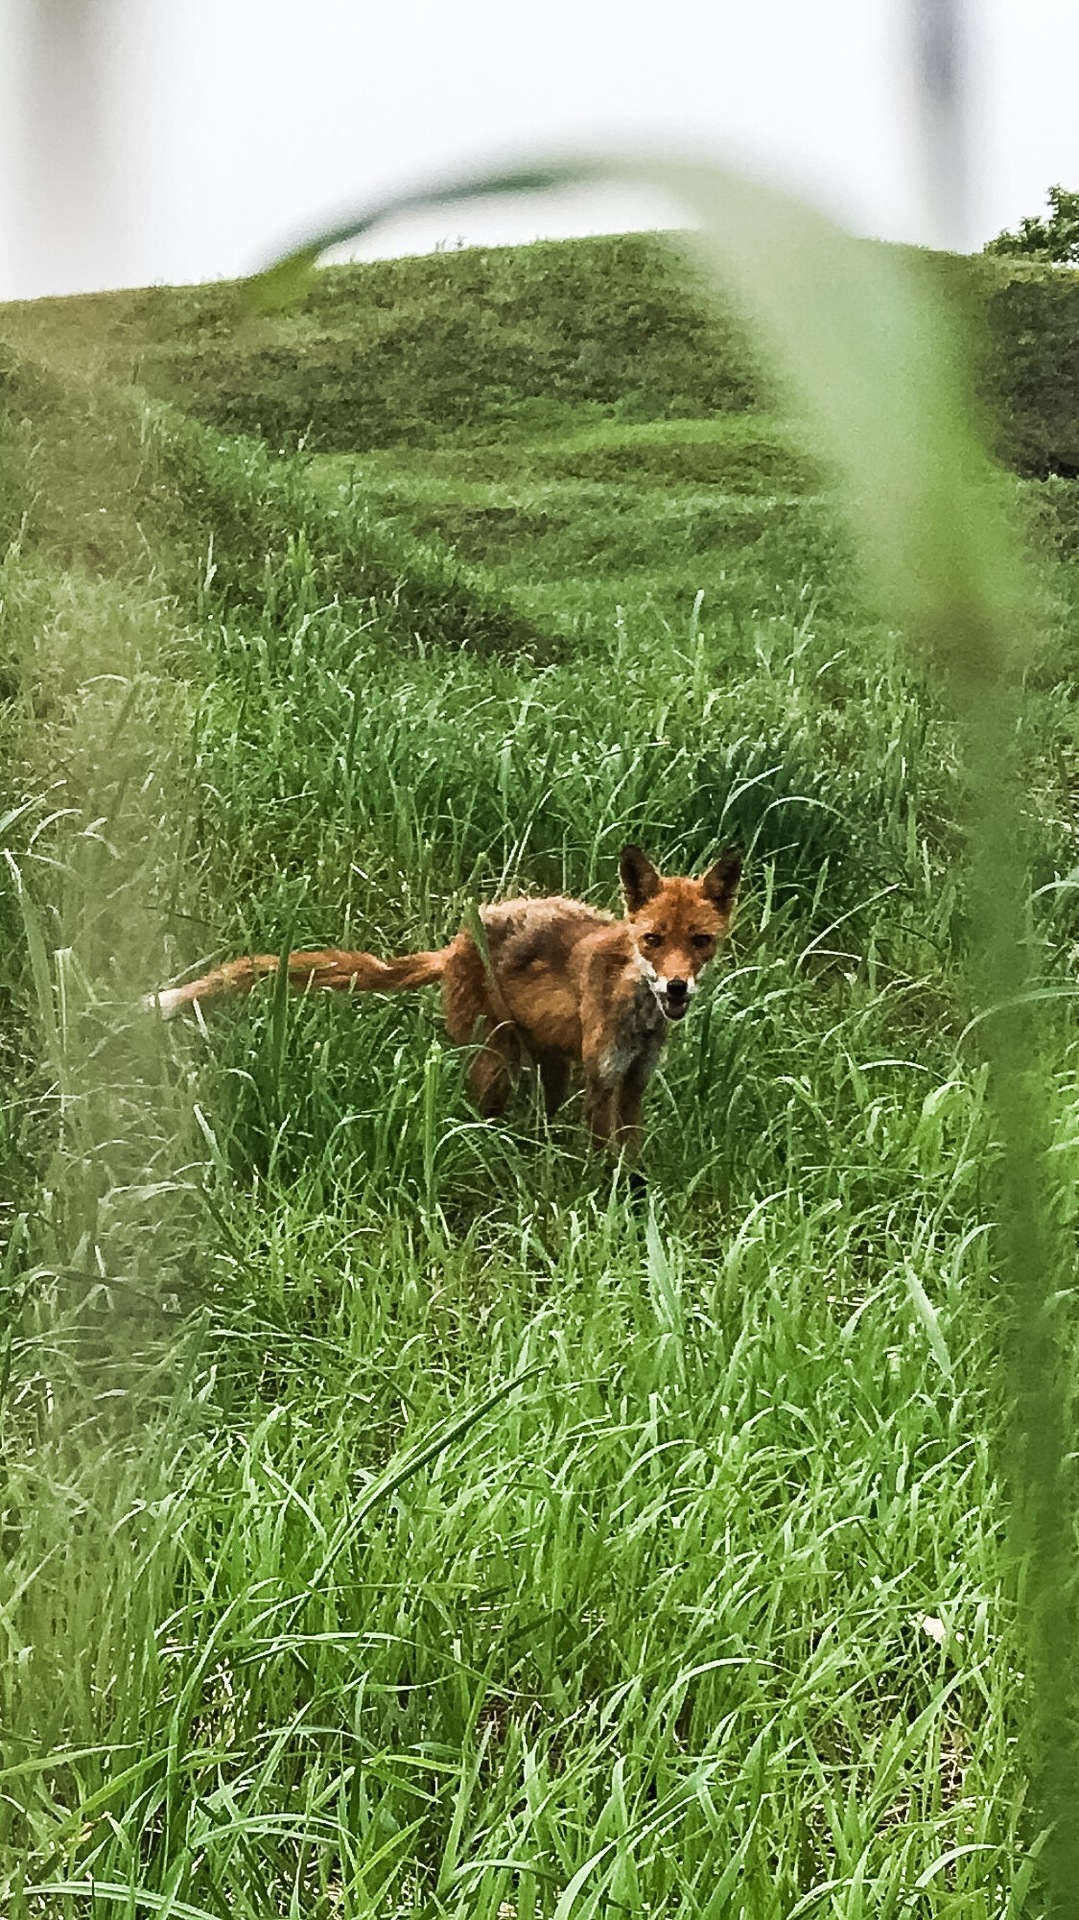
x=397 y=1521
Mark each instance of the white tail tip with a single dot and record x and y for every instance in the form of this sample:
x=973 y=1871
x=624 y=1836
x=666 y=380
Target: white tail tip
x=166 y=1003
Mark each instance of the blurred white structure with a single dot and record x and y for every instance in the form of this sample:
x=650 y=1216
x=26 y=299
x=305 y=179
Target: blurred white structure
x=189 y=139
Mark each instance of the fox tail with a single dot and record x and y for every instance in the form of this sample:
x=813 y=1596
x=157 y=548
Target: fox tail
x=330 y=968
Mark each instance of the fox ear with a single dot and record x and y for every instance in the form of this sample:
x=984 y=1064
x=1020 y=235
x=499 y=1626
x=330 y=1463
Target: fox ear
x=640 y=881
x=720 y=883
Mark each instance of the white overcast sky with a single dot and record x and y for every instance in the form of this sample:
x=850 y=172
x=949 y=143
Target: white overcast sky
x=150 y=141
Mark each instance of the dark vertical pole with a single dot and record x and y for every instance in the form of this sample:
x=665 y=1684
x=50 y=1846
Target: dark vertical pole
x=938 y=45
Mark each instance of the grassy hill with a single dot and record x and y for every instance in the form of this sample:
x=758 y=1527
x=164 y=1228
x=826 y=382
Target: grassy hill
x=494 y=343
x=397 y=1521
x=412 y=352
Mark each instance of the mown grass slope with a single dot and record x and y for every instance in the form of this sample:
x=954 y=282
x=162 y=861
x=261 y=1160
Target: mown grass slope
x=397 y=1521
x=510 y=342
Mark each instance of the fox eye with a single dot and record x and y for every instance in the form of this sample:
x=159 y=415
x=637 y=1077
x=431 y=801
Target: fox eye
x=701 y=940
x=651 y=939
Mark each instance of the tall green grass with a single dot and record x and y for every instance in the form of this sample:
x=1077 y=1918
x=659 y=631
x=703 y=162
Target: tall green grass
x=396 y=1521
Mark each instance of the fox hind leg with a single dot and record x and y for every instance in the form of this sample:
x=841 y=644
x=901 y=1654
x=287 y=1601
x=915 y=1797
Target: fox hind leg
x=464 y=991
x=491 y=1071
x=468 y=1014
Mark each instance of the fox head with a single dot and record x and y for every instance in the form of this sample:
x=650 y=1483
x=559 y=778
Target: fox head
x=677 y=924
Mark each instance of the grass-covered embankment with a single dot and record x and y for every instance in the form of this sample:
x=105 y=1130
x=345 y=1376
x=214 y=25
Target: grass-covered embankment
x=511 y=343
x=396 y=1522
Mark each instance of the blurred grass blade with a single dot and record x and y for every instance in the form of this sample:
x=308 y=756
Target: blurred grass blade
x=287 y=277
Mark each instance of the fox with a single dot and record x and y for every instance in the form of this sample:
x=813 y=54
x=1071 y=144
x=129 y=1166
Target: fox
x=550 y=983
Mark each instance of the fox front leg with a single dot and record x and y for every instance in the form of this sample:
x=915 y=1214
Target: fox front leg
x=627 y=1132
x=601 y=1106
x=613 y=1111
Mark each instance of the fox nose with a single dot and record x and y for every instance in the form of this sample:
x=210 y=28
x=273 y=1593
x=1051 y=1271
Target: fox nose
x=677 y=989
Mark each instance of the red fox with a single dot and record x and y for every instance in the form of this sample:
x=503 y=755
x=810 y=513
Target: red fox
x=560 y=984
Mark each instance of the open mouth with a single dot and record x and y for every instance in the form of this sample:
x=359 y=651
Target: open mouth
x=675 y=1009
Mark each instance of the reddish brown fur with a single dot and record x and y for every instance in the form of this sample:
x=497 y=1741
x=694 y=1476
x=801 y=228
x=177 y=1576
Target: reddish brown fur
x=561 y=985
